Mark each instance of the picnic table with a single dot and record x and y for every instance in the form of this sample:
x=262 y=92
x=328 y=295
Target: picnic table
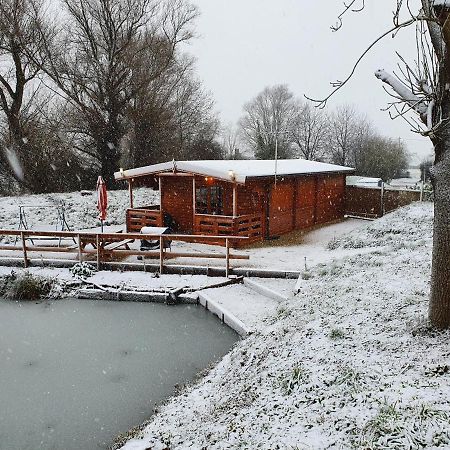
x=111 y=243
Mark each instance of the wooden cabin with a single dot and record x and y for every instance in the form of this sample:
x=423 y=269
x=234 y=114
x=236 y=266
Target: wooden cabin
x=260 y=199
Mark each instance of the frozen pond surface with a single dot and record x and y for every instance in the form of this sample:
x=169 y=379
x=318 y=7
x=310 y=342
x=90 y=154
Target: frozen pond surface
x=76 y=373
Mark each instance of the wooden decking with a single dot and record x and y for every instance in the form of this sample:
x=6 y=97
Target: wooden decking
x=146 y=216
x=249 y=226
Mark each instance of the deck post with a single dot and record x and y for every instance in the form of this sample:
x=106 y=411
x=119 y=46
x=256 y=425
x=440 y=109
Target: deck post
x=234 y=200
x=161 y=254
x=130 y=191
x=193 y=204
x=24 y=249
x=98 y=251
x=160 y=191
x=227 y=258
x=80 y=250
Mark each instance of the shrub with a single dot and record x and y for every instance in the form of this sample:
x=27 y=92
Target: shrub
x=337 y=333
x=83 y=269
x=29 y=287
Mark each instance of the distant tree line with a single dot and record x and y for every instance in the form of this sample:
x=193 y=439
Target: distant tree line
x=87 y=86
x=276 y=121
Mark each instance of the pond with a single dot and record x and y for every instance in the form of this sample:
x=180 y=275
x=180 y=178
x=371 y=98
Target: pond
x=76 y=373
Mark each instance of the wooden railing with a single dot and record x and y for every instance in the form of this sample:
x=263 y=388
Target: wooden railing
x=146 y=216
x=106 y=246
x=249 y=226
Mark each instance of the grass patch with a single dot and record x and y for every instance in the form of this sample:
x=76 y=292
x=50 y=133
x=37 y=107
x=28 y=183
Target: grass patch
x=28 y=287
x=291 y=382
x=336 y=334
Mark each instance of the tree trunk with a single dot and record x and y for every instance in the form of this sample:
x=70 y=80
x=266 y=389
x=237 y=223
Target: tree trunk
x=107 y=136
x=439 y=308
x=109 y=163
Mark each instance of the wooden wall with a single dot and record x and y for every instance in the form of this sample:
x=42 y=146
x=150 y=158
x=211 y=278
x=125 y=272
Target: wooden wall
x=305 y=204
x=281 y=207
x=176 y=199
x=301 y=202
x=374 y=202
x=297 y=202
x=330 y=198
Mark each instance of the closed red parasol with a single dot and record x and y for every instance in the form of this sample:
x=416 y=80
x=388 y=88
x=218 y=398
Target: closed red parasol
x=102 y=199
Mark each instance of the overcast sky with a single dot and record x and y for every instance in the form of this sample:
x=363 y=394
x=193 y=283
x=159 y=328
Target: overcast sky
x=246 y=45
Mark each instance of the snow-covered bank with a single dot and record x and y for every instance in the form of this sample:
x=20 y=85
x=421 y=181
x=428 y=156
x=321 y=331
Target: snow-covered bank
x=348 y=362
x=80 y=208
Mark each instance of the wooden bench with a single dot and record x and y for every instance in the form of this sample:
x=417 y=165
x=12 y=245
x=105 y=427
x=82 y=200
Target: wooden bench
x=116 y=245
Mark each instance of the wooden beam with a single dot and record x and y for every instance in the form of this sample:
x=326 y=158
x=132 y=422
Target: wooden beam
x=193 y=203
x=160 y=194
x=161 y=255
x=24 y=249
x=227 y=259
x=176 y=174
x=235 y=196
x=80 y=249
x=98 y=252
x=130 y=191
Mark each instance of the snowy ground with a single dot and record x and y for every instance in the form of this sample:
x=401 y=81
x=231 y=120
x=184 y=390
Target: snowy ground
x=347 y=363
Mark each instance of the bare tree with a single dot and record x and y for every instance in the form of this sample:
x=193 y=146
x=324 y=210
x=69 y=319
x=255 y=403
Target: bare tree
x=94 y=59
x=230 y=139
x=422 y=88
x=267 y=122
x=19 y=36
x=309 y=131
x=346 y=131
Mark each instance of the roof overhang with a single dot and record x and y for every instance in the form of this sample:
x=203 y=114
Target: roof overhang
x=233 y=171
x=180 y=167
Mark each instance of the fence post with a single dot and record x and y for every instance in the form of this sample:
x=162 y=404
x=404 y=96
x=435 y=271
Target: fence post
x=421 y=191
x=382 y=198
x=98 y=251
x=227 y=258
x=161 y=254
x=24 y=249
x=80 y=255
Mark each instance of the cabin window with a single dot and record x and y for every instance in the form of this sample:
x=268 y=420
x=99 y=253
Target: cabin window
x=209 y=200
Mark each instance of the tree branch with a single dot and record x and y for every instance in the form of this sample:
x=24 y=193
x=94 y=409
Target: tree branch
x=340 y=84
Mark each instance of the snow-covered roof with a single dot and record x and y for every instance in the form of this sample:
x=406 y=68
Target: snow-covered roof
x=236 y=170
x=441 y=3
x=363 y=181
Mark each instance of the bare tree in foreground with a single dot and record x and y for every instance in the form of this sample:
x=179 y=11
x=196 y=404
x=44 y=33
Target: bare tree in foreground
x=423 y=88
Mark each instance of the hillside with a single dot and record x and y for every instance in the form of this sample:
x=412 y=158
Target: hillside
x=349 y=362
